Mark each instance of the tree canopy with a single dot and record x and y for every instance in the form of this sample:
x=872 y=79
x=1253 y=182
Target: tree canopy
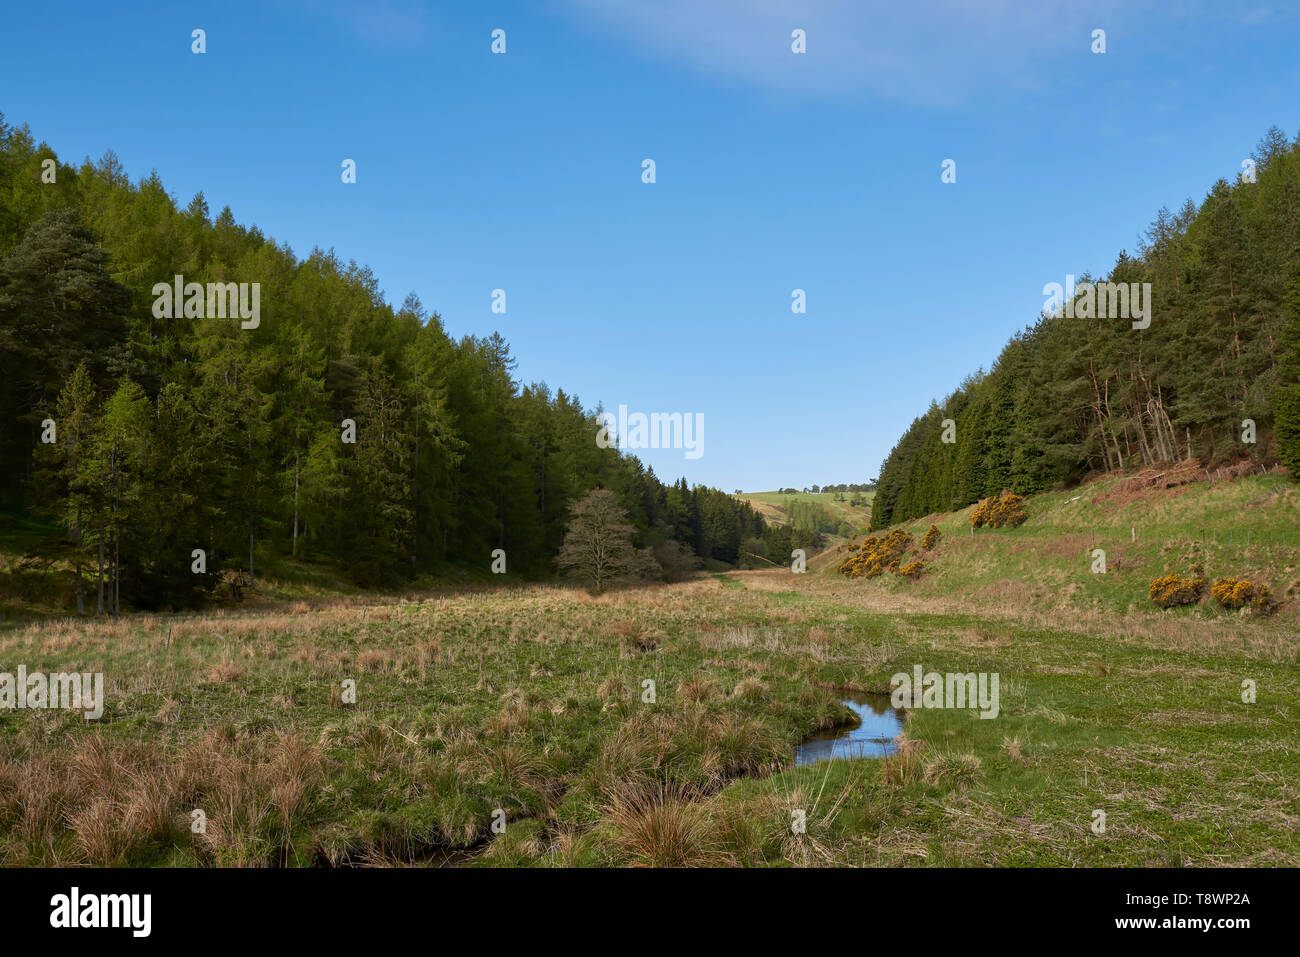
x=1215 y=375
x=339 y=429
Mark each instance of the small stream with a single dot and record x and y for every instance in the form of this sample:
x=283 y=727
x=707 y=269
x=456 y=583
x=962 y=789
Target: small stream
x=872 y=737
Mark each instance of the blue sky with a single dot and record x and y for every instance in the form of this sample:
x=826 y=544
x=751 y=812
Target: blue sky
x=775 y=171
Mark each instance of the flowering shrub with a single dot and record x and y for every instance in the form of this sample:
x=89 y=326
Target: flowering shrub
x=1006 y=509
x=1174 y=590
x=931 y=539
x=912 y=569
x=876 y=554
x=1240 y=593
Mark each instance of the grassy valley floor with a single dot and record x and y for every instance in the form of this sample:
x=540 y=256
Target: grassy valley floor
x=532 y=701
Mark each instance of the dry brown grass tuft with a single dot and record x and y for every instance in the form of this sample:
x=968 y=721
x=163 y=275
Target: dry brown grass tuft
x=225 y=672
x=374 y=660
x=516 y=717
x=728 y=638
x=698 y=691
x=169 y=711
x=660 y=825
x=632 y=644
x=613 y=690
x=516 y=769
x=97 y=803
x=904 y=765
x=429 y=652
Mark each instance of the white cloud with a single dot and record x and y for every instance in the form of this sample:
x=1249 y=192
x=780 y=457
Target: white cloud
x=930 y=52
x=399 y=24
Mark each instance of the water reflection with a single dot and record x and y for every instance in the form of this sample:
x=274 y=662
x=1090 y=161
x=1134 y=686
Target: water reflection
x=872 y=737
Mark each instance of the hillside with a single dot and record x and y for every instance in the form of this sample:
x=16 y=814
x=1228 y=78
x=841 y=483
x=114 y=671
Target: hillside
x=1208 y=368
x=1149 y=523
x=331 y=434
x=773 y=507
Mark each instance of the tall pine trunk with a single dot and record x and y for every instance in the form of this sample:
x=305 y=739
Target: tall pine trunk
x=81 y=592
x=415 y=498
x=295 y=505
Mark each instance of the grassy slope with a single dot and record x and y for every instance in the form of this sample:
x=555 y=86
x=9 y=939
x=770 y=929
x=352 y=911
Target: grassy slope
x=1051 y=554
x=770 y=506
x=529 y=700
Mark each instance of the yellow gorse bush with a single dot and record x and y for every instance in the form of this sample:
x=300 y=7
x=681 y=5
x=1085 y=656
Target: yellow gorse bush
x=1240 y=592
x=1007 y=508
x=1172 y=590
x=931 y=539
x=874 y=555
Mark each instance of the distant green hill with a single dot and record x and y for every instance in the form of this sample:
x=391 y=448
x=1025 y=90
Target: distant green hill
x=772 y=506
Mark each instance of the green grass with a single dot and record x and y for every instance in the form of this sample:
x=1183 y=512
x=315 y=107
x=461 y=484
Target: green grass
x=531 y=701
x=1232 y=529
x=771 y=505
